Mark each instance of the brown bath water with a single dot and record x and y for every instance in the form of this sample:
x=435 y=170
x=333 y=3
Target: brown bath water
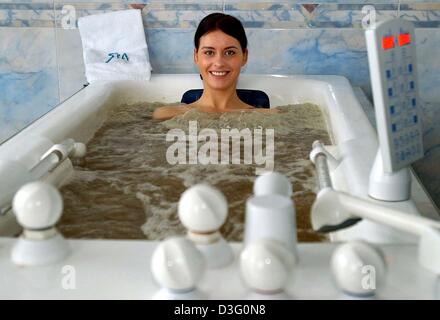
x=124 y=188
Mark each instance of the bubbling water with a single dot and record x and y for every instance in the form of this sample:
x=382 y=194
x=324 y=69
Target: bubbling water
x=124 y=188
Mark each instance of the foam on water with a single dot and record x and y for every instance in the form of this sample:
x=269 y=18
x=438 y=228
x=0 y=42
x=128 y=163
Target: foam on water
x=287 y=121
x=124 y=188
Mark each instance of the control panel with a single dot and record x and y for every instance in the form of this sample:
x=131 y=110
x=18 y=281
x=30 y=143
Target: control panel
x=393 y=72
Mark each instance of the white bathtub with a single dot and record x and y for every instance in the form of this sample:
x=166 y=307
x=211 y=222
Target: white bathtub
x=354 y=139
x=354 y=142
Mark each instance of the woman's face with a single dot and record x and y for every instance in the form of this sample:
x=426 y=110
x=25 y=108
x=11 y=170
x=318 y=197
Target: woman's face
x=219 y=59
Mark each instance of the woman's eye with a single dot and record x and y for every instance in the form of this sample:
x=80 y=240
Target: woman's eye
x=209 y=53
x=230 y=53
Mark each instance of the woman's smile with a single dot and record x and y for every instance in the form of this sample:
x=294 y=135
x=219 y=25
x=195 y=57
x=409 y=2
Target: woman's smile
x=219 y=73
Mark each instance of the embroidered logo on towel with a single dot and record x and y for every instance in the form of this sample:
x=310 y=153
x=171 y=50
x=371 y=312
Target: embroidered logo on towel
x=124 y=56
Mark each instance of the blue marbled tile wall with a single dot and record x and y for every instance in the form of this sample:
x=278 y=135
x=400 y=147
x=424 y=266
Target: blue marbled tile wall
x=41 y=54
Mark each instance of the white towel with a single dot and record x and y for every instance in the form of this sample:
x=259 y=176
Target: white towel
x=114 y=46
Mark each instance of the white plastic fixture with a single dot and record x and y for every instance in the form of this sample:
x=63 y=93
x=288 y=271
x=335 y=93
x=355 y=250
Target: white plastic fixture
x=317 y=149
x=177 y=266
x=266 y=266
x=67 y=148
x=330 y=202
x=272 y=217
x=388 y=186
x=38 y=207
x=17 y=174
x=393 y=72
x=272 y=183
x=358 y=268
x=203 y=210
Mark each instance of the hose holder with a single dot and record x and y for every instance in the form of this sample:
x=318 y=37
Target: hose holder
x=427 y=230
x=17 y=174
x=333 y=220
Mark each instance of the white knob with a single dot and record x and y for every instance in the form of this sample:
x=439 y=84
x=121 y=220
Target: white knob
x=37 y=205
x=202 y=208
x=266 y=265
x=272 y=183
x=358 y=268
x=177 y=265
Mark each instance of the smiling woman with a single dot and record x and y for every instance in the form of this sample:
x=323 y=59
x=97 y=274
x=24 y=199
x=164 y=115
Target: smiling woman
x=220 y=50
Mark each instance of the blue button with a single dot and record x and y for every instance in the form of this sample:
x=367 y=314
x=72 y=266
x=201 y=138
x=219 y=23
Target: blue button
x=410 y=67
x=392 y=110
x=413 y=102
x=388 y=74
x=411 y=85
x=402 y=156
x=415 y=119
x=394 y=127
x=390 y=92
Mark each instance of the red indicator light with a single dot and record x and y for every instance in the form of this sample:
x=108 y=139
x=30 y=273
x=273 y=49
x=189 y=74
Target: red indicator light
x=404 y=39
x=388 y=42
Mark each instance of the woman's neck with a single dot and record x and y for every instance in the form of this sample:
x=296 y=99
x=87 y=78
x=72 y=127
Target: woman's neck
x=220 y=100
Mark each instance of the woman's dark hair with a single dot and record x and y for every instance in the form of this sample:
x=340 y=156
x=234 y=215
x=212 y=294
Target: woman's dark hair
x=224 y=22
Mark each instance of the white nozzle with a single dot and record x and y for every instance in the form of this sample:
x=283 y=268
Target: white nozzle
x=79 y=150
x=37 y=205
x=271 y=216
x=358 y=268
x=272 y=183
x=266 y=266
x=177 y=265
x=202 y=209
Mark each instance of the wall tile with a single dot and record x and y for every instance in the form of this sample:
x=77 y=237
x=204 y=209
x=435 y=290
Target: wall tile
x=28 y=76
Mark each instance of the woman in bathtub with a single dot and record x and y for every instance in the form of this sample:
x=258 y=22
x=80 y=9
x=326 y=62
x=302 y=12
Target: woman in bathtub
x=220 y=52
